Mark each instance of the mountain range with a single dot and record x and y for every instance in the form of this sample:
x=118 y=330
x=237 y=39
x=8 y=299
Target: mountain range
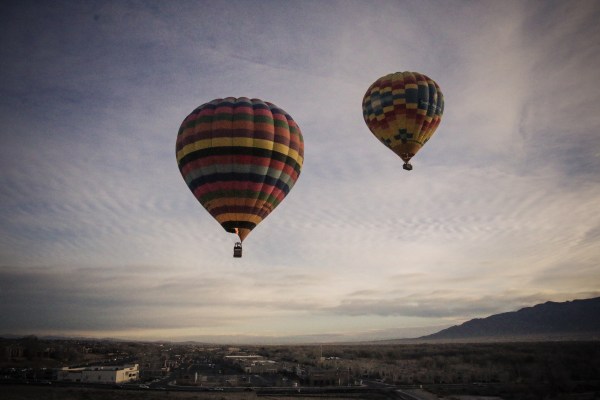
x=576 y=319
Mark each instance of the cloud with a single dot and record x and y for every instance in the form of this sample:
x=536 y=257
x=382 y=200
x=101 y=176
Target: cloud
x=451 y=306
x=59 y=298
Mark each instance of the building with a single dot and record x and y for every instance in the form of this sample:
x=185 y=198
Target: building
x=254 y=364
x=100 y=374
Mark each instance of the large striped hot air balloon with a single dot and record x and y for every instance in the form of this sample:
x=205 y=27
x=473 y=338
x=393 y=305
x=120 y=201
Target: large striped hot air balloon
x=240 y=157
x=403 y=110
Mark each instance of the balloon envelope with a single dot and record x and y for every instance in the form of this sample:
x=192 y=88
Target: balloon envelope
x=240 y=157
x=403 y=110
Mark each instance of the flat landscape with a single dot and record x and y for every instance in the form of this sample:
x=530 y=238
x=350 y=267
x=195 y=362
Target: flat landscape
x=551 y=370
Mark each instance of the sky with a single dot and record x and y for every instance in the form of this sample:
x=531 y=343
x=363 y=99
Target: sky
x=100 y=236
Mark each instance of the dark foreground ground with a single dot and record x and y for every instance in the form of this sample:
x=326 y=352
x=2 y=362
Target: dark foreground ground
x=438 y=392
x=23 y=392
x=32 y=392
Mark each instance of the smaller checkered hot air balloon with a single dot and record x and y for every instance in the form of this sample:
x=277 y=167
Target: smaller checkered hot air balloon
x=240 y=157
x=403 y=110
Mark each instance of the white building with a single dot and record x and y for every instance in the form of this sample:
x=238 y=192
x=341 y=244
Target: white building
x=100 y=374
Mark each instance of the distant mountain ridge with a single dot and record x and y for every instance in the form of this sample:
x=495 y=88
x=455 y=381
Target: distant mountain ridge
x=571 y=319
